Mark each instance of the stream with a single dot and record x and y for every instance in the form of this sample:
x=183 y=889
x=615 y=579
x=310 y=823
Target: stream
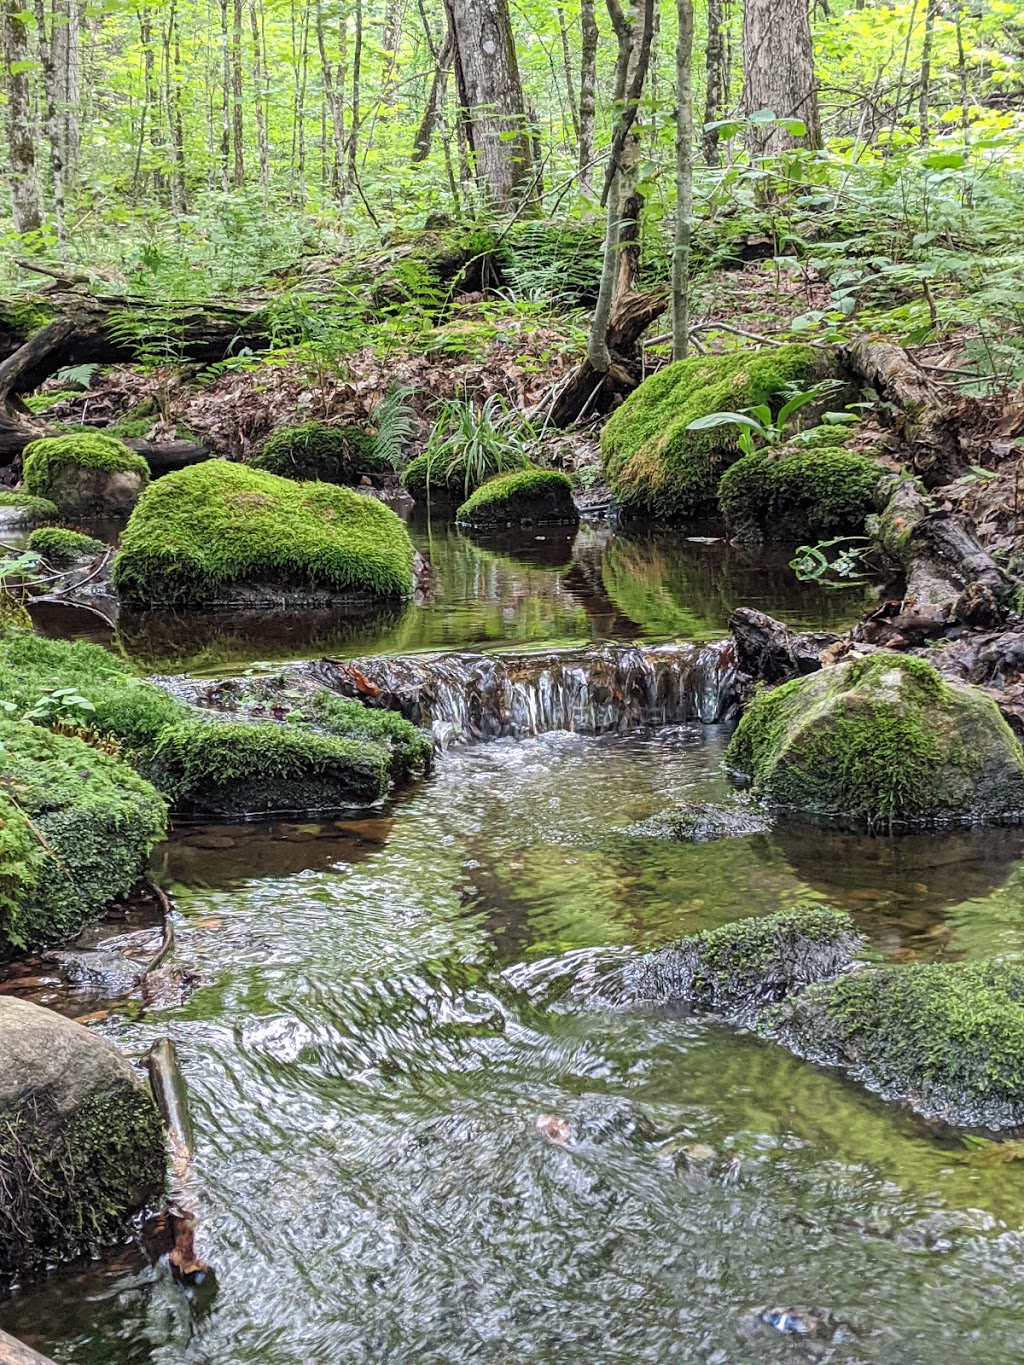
x=413 y=1147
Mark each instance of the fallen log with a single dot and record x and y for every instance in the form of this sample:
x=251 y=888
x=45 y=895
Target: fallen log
x=768 y=651
x=161 y=456
x=172 y=1101
x=14 y=1352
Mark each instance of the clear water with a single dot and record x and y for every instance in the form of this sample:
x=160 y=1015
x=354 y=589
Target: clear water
x=409 y=1150
x=412 y=1149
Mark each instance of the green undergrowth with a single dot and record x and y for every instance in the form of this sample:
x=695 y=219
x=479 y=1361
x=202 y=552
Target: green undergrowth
x=220 y=533
x=541 y=495
x=313 y=450
x=654 y=465
x=61 y=546
x=51 y=466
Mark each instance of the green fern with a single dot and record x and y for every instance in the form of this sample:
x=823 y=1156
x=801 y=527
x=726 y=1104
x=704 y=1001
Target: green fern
x=393 y=421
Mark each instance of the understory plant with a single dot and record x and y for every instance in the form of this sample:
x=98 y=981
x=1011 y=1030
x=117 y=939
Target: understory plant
x=470 y=444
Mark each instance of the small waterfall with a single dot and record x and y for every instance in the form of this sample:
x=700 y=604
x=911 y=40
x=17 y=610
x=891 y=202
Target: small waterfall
x=608 y=688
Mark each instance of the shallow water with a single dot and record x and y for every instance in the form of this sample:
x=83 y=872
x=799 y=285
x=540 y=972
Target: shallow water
x=554 y=586
x=411 y=1148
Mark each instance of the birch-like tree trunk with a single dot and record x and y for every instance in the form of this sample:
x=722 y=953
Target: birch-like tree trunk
x=491 y=97
x=259 y=98
x=684 y=182
x=588 y=94
x=53 y=135
x=778 y=74
x=924 y=99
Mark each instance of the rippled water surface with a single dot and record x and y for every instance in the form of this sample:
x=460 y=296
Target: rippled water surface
x=412 y=1148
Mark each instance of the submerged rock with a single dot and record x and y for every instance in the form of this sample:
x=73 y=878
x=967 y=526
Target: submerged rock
x=699 y=823
x=541 y=496
x=81 y=1142
x=883 y=740
x=220 y=534
x=85 y=473
x=18 y=510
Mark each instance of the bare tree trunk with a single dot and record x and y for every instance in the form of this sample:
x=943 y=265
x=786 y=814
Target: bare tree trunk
x=259 y=100
x=778 y=74
x=716 y=96
x=684 y=182
x=588 y=94
x=351 y=168
x=491 y=97
x=52 y=127
x=65 y=48
x=237 y=120
x=21 y=141
x=179 y=198
x=335 y=97
x=391 y=41
x=570 y=87
x=225 y=100
x=924 y=99
x=435 y=102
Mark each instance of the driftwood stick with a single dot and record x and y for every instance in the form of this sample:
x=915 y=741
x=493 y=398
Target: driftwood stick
x=172 y=1100
x=14 y=1352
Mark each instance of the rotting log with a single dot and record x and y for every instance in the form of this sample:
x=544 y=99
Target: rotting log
x=161 y=456
x=772 y=652
x=172 y=1100
x=14 y=1352
x=922 y=416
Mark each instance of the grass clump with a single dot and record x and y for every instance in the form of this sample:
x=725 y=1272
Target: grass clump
x=654 y=465
x=803 y=492
x=469 y=445
x=219 y=533
x=78 y=826
x=29 y=508
x=315 y=451
x=61 y=546
x=882 y=740
x=538 y=495
x=63 y=469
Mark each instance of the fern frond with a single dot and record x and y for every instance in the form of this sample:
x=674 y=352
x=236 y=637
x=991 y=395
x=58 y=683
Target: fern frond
x=393 y=421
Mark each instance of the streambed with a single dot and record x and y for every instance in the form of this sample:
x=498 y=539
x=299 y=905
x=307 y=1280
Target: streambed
x=411 y=1149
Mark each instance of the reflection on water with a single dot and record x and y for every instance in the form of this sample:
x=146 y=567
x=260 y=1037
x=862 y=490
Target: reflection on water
x=409 y=1152
x=541 y=587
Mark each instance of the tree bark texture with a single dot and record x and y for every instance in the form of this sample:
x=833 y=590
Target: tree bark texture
x=491 y=97
x=716 y=89
x=684 y=182
x=588 y=94
x=778 y=74
x=21 y=142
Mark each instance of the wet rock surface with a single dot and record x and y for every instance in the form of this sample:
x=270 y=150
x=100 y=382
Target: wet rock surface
x=700 y=823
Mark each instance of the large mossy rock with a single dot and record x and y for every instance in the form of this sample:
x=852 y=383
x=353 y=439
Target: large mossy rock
x=85 y=474
x=946 y=1038
x=540 y=496
x=81 y=1142
x=220 y=534
x=311 y=451
x=801 y=494
x=883 y=740
x=76 y=828
x=329 y=753
x=658 y=468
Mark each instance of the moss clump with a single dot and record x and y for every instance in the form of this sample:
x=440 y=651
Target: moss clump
x=78 y=826
x=218 y=533
x=333 y=752
x=741 y=967
x=21 y=507
x=655 y=466
x=61 y=546
x=539 y=495
x=802 y=493
x=314 y=451
x=42 y=402
x=947 y=1038
x=447 y=479
x=882 y=740
x=76 y=471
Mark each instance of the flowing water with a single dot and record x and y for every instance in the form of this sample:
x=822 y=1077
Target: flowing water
x=414 y=1147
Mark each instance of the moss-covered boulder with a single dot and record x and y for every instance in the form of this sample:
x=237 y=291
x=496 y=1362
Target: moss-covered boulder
x=883 y=740
x=946 y=1038
x=82 y=1146
x=739 y=968
x=803 y=493
x=655 y=465
x=85 y=474
x=19 y=509
x=325 y=752
x=61 y=547
x=220 y=534
x=542 y=496
x=312 y=451
x=77 y=828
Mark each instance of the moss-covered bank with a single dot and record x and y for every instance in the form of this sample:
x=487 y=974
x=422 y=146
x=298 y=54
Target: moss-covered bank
x=312 y=451
x=219 y=534
x=882 y=739
x=656 y=466
x=543 y=496
x=84 y=474
x=81 y=1142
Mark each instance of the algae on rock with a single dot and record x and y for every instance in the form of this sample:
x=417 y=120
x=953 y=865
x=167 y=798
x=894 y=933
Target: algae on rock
x=655 y=465
x=85 y=473
x=883 y=740
x=543 y=496
x=218 y=534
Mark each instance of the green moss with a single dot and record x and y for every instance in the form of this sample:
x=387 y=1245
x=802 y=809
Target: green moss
x=220 y=533
x=948 y=1038
x=884 y=740
x=71 y=1180
x=42 y=402
x=801 y=494
x=312 y=451
x=61 y=546
x=34 y=509
x=411 y=748
x=53 y=467
x=654 y=465
x=78 y=828
x=541 y=495
x=448 y=479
